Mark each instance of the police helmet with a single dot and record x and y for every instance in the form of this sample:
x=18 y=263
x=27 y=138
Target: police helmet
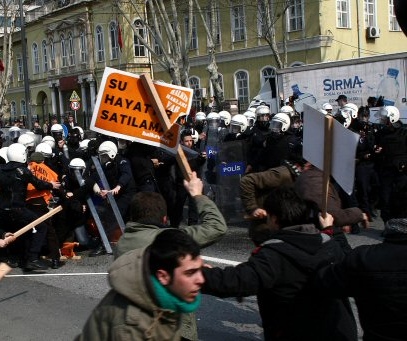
x=17 y=152
x=262 y=110
x=238 y=124
x=45 y=149
x=251 y=117
x=14 y=133
x=49 y=140
x=3 y=153
x=28 y=141
x=225 y=117
x=352 y=109
x=280 y=122
x=200 y=116
x=107 y=148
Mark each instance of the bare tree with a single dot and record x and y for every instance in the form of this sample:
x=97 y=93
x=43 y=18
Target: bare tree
x=212 y=33
x=10 y=12
x=269 y=13
x=163 y=24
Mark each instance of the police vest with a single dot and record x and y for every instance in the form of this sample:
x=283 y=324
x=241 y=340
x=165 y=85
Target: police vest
x=42 y=172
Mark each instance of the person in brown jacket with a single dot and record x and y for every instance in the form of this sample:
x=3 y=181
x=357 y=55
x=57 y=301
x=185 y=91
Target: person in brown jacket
x=309 y=187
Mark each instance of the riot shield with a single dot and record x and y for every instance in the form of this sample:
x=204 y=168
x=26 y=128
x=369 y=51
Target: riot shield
x=107 y=209
x=209 y=168
x=230 y=167
x=95 y=216
x=110 y=196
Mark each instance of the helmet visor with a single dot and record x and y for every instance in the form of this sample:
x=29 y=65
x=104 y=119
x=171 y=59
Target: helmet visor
x=235 y=129
x=276 y=126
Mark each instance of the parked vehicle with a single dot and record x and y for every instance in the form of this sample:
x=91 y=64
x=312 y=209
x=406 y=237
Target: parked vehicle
x=358 y=79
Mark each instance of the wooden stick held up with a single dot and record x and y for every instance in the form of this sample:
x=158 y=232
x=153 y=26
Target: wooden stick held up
x=37 y=221
x=327 y=162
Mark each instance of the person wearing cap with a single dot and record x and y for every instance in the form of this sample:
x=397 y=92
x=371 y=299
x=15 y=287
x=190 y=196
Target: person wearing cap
x=342 y=100
x=376 y=276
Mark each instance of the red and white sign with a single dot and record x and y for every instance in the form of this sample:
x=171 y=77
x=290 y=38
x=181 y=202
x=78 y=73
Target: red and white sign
x=75 y=105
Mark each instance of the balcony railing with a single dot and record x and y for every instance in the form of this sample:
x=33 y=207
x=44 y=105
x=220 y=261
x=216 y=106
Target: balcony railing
x=47 y=8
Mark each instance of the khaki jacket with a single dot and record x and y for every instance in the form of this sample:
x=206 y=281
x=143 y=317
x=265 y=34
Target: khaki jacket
x=128 y=311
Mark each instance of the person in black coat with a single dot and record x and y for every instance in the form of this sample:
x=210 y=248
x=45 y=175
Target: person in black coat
x=279 y=272
x=376 y=276
x=15 y=176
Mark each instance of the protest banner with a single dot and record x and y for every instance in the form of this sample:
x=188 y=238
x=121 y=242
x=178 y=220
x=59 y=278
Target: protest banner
x=124 y=110
x=329 y=146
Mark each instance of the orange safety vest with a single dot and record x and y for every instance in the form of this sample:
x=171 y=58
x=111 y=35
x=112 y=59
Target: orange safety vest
x=42 y=172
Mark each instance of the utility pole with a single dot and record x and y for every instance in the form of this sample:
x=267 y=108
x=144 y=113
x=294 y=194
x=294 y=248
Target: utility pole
x=25 y=67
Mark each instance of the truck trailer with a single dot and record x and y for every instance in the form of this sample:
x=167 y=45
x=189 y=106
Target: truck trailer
x=315 y=84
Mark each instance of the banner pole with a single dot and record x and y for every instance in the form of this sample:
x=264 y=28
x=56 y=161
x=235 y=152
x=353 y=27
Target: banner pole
x=328 y=138
x=165 y=122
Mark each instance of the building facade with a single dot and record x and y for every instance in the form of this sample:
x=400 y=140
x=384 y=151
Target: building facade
x=70 y=42
x=310 y=32
x=68 y=45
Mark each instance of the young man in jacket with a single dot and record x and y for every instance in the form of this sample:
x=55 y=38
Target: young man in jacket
x=151 y=288
x=148 y=218
x=279 y=272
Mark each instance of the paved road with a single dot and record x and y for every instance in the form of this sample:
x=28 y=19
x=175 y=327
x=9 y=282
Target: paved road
x=56 y=307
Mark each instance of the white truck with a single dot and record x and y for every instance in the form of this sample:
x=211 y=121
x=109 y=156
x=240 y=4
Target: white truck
x=358 y=79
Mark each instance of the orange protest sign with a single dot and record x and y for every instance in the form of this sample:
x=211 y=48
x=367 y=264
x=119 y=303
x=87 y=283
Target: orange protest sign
x=123 y=109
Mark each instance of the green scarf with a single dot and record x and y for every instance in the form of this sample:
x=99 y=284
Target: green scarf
x=167 y=300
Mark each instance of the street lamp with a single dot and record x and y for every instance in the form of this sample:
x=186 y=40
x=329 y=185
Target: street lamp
x=25 y=67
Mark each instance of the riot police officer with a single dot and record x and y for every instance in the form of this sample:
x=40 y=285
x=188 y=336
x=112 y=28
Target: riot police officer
x=13 y=210
x=392 y=161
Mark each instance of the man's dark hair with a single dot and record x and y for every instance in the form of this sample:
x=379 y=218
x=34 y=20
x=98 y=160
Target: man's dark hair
x=148 y=207
x=364 y=111
x=169 y=247
x=185 y=132
x=287 y=206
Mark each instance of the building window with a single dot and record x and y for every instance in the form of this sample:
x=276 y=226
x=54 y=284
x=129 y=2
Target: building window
x=36 y=58
x=45 y=55
x=342 y=14
x=238 y=23
x=100 y=44
x=295 y=16
x=139 y=48
x=23 y=108
x=83 y=47
x=370 y=12
x=114 y=40
x=267 y=73
x=194 y=82
x=20 y=74
x=393 y=23
x=216 y=23
x=242 y=87
x=52 y=53
x=13 y=110
x=194 y=36
x=64 y=51
x=262 y=13
x=157 y=46
x=71 y=50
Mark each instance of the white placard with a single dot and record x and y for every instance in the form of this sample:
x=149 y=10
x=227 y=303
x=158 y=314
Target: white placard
x=344 y=144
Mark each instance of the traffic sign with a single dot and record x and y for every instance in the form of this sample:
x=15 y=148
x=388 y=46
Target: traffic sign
x=75 y=105
x=74 y=97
